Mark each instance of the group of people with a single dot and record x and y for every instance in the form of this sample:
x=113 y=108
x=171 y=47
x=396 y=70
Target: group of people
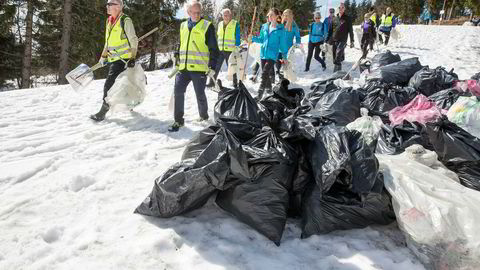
x=372 y=25
x=203 y=50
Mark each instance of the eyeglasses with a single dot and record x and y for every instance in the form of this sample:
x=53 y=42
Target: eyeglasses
x=111 y=4
x=317 y=18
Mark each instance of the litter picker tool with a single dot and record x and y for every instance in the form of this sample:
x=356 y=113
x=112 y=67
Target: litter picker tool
x=251 y=31
x=82 y=75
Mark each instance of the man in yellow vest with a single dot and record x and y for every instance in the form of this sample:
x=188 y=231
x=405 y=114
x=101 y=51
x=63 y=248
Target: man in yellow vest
x=198 y=54
x=388 y=22
x=228 y=37
x=120 y=49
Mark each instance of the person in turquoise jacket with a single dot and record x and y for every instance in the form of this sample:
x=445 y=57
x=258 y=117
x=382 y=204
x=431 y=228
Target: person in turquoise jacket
x=317 y=36
x=272 y=38
x=291 y=32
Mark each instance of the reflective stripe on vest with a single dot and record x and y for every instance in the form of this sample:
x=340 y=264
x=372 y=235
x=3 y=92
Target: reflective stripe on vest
x=117 y=42
x=191 y=58
x=226 y=39
x=387 y=21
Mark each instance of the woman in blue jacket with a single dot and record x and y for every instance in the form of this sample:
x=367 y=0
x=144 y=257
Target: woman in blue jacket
x=272 y=38
x=317 y=35
x=291 y=32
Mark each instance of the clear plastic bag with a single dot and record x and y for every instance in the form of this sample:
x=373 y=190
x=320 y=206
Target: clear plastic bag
x=236 y=65
x=369 y=126
x=296 y=60
x=80 y=77
x=129 y=89
x=465 y=112
x=438 y=216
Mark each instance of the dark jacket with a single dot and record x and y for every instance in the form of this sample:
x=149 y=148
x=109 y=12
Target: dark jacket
x=210 y=41
x=341 y=28
x=368 y=30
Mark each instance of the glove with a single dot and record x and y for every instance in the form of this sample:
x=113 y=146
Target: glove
x=210 y=73
x=102 y=61
x=352 y=45
x=131 y=63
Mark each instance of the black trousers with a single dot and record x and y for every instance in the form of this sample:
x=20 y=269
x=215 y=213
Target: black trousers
x=182 y=80
x=339 y=52
x=267 y=71
x=114 y=69
x=366 y=42
x=387 y=37
x=314 y=47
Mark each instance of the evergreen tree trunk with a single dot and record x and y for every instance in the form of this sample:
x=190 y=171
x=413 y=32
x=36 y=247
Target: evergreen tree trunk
x=153 y=53
x=67 y=28
x=27 y=54
x=451 y=9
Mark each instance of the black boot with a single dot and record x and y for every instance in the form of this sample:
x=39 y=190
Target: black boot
x=100 y=116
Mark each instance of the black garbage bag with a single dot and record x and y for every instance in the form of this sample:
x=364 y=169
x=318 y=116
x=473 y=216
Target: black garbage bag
x=239 y=112
x=476 y=77
x=319 y=91
x=348 y=189
x=336 y=75
x=300 y=125
x=394 y=140
x=262 y=200
x=344 y=210
x=383 y=59
x=341 y=106
x=458 y=150
x=167 y=64
x=446 y=98
x=342 y=156
x=188 y=184
x=365 y=65
x=398 y=73
x=282 y=103
x=429 y=81
x=302 y=177
x=383 y=97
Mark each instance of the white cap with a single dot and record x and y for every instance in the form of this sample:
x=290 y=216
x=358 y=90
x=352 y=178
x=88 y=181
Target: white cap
x=120 y=2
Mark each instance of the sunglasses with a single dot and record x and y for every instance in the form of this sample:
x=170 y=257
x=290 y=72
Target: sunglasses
x=111 y=4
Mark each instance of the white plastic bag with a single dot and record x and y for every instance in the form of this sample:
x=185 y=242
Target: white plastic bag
x=439 y=217
x=428 y=158
x=236 y=65
x=128 y=91
x=295 y=61
x=369 y=126
x=465 y=112
x=395 y=34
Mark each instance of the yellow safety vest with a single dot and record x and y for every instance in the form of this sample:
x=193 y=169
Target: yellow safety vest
x=387 y=21
x=117 y=42
x=191 y=57
x=374 y=19
x=226 y=39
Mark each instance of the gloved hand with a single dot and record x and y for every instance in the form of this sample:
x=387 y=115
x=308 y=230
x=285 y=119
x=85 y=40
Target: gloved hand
x=102 y=61
x=210 y=73
x=352 y=45
x=131 y=63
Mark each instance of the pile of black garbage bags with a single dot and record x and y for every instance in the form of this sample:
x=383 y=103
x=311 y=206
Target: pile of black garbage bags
x=291 y=156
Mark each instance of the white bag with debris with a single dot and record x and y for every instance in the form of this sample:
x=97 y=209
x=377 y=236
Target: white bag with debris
x=438 y=216
x=465 y=112
x=295 y=61
x=128 y=91
x=236 y=64
x=369 y=126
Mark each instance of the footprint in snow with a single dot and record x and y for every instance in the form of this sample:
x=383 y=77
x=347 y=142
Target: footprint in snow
x=80 y=182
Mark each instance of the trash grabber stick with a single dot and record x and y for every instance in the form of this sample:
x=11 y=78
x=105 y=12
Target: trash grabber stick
x=248 y=47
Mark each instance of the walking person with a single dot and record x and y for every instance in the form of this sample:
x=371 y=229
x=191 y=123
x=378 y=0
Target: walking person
x=317 y=32
x=272 y=38
x=340 y=29
x=387 y=23
x=198 y=53
x=228 y=37
x=120 y=49
x=369 y=34
x=292 y=32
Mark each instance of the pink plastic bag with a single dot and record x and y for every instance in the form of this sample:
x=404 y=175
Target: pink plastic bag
x=469 y=85
x=420 y=109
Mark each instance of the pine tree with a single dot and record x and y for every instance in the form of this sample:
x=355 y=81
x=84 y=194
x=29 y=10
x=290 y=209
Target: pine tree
x=27 y=53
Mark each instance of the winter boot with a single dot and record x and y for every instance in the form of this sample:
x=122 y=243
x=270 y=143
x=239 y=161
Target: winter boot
x=100 y=116
x=175 y=127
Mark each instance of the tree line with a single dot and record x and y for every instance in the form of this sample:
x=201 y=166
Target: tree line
x=51 y=37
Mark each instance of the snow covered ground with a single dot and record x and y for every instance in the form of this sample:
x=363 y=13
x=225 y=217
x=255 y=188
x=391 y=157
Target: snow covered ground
x=68 y=186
